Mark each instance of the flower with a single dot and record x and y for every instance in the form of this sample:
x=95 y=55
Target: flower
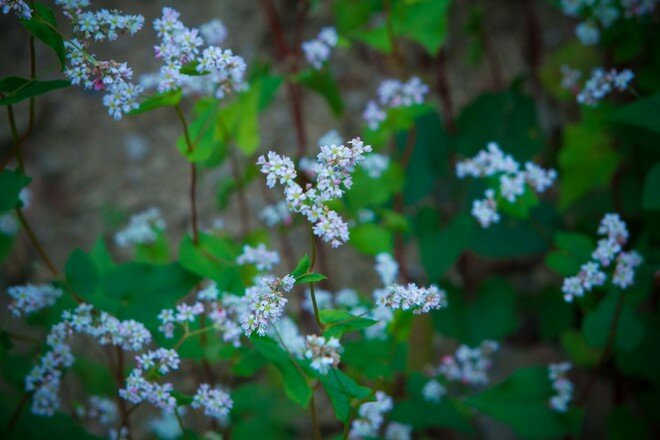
x=411 y=297
x=324 y=353
x=18 y=7
x=318 y=50
x=392 y=93
x=216 y=402
x=142 y=228
x=370 y=417
x=260 y=256
x=562 y=386
x=375 y=164
x=387 y=268
x=602 y=83
x=398 y=431
x=469 y=365
x=433 y=391
x=265 y=304
x=31 y=298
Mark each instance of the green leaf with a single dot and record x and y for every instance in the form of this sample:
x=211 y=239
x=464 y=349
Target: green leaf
x=577 y=349
x=644 y=360
x=322 y=82
x=213 y=257
x=302 y=267
x=34 y=427
x=82 y=274
x=623 y=425
x=248 y=364
x=41 y=26
x=343 y=392
x=586 y=161
x=572 y=251
x=641 y=113
x=371 y=239
x=422 y=21
x=554 y=314
x=201 y=134
x=508 y=118
x=441 y=247
x=492 y=315
x=521 y=401
x=651 y=197
x=339 y=322
x=598 y=323
x=11 y=184
x=375 y=37
x=169 y=99
x=156 y=252
x=17 y=89
x=312 y=277
x=369 y=192
x=296 y=386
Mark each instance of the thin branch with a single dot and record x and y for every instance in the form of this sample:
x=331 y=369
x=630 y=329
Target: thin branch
x=35 y=242
x=193 y=175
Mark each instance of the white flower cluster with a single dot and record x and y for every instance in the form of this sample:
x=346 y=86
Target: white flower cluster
x=276 y=214
x=266 y=303
x=260 y=256
x=387 y=268
x=375 y=164
x=139 y=389
x=288 y=336
x=562 y=386
x=371 y=416
x=142 y=228
x=602 y=83
x=216 y=402
x=104 y=24
x=183 y=314
x=333 y=176
x=512 y=180
x=434 y=391
x=45 y=377
x=110 y=76
x=213 y=32
x=324 y=353
x=18 y=7
x=469 y=365
x=30 y=298
x=101 y=409
x=412 y=297
x=226 y=317
x=318 y=50
x=222 y=71
x=602 y=14
x=608 y=250
x=393 y=93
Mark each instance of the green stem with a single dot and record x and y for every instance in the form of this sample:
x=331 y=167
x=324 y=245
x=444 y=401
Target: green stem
x=311 y=285
x=17 y=139
x=193 y=175
x=35 y=242
x=315 y=423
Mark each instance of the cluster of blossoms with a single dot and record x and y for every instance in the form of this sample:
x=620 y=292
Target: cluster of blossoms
x=31 y=298
x=216 y=402
x=324 y=353
x=18 y=7
x=289 y=337
x=142 y=228
x=412 y=297
x=260 y=256
x=45 y=377
x=333 y=176
x=276 y=214
x=265 y=303
x=213 y=32
x=602 y=83
x=183 y=314
x=375 y=164
x=609 y=249
x=103 y=24
x=562 y=386
x=469 y=365
x=393 y=93
x=387 y=268
x=371 y=416
x=434 y=391
x=101 y=409
x=318 y=50
x=221 y=71
x=602 y=14
x=139 y=388
x=512 y=180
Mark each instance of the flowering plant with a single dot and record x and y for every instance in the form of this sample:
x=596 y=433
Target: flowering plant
x=413 y=272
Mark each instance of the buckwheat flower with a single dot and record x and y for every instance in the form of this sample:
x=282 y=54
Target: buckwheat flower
x=588 y=33
x=142 y=228
x=485 y=210
x=129 y=335
x=606 y=251
x=347 y=298
x=570 y=78
x=329 y=36
x=370 y=417
x=209 y=293
x=18 y=7
x=572 y=7
x=331 y=137
x=398 y=431
x=512 y=186
x=277 y=168
x=260 y=256
x=411 y=297
x=213 y=32
x=433 y=391
x=383 y=316
x=324 y=353
x=318 y=50
x=614 y=228
x=373 y=115
x=601 y=83
x=99 y=408
x=539 y=178
x=331 y=228
x=215 y=402
x=8 y=224
x=265 y=304
x=167 y=319
x=289 y=337
x=469 y=365
x=561 y=385
x=30 y=298
x=276 y=214
x=624 y=272
x=571 y=288
x=387 y=268
x=188 y=313
x=225 y=321
x=166 y=426
x=375 y=164
x=104 y=24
